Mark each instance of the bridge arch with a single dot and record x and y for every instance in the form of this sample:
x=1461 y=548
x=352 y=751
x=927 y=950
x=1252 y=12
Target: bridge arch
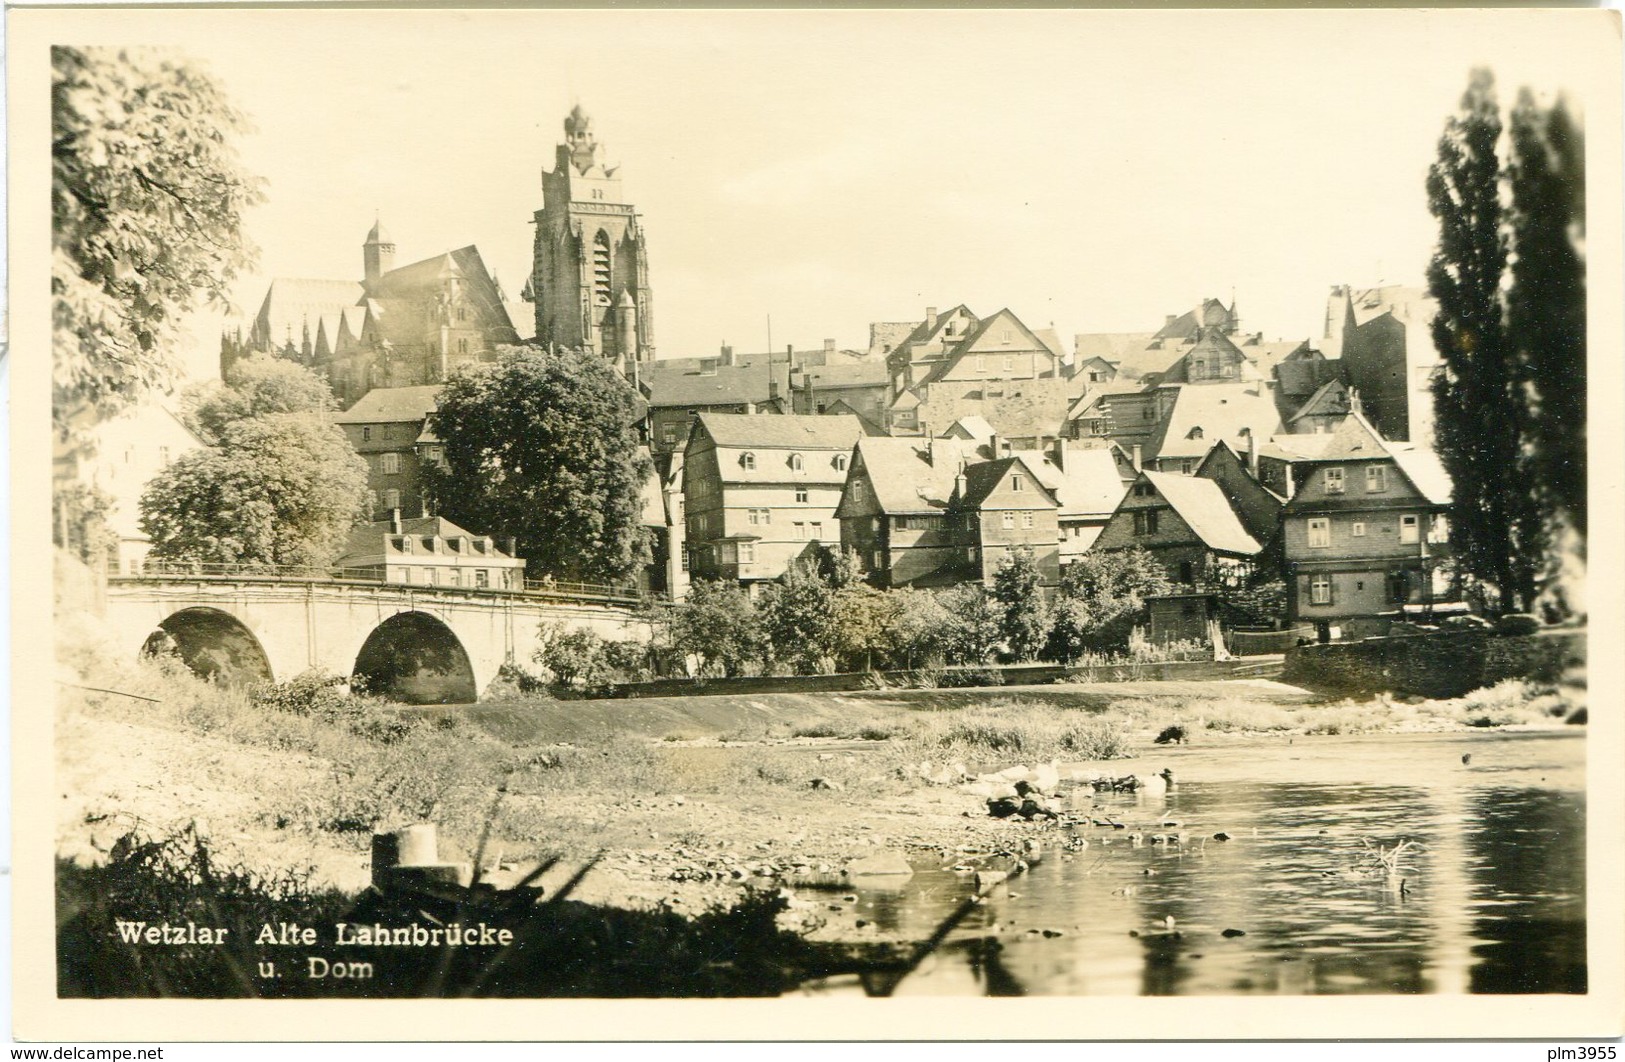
x=215 y=645
x=416 y=658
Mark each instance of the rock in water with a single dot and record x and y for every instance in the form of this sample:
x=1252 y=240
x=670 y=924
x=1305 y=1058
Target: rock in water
x=886 y=864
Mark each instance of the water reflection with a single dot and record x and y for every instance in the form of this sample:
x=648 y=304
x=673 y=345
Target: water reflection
x=1487 y=896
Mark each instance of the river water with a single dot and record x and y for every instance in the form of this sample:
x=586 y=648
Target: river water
x=1489 y=896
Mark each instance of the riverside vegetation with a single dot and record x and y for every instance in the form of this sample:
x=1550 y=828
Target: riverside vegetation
x=686 y=814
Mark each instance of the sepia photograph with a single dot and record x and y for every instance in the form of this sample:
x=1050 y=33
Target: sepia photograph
x=822 y=506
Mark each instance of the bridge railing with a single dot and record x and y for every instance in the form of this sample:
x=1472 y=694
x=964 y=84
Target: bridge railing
x=547 y=589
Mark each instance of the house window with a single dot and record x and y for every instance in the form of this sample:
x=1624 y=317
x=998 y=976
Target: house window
x=392 y=499
x=1018 y=483
x=801 y=495
x=747 y=461
x=163 y=455
x=801 y=531
x=970 y=554
x=1007 y=521
x=1145 y=522
x=747 y=553
x=366 y=433
x=669 y=433
x=981 y=363
x=683 y=561
x=1195 y=433
x=1376 y=479
x=1357 y=529
x=1097 y=427
x=1320 y=532
x=1009 y=364
x=817 y=531
x=1027 y=520
x=482 y=578
x=758 y=517
x=1187 y=573
x=1334 y=481
x=1408 y=528
x=875 y=561
x=1144 y=490
x=1398 y=588
x=391 y=464
x=1097 y=377
x=1187 y=467
x=840 y=462
x=1320 y=590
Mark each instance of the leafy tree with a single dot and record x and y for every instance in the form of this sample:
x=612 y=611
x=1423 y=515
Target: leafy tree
x=1510 y=278
x=971 y=629
x=798 y=616
x=866 y=622
x=542 y=446
x=1546 y=310
x=1102 y=597
x=147 y=199
x=254 y=387
x=278 y=489
x=1023 y=614
x=922 y=629
x=718 y=624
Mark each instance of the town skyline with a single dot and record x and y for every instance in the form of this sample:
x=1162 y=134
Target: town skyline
x=873 y=182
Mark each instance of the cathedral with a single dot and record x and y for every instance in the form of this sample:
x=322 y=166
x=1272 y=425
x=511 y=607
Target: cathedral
x=413 y=325
x=590 y=275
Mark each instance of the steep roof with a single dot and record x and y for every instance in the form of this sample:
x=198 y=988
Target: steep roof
x=867 y=373
x=1089 y=486
x=885 y=335
x=291 y=303
x=984 y=477
x=413 y=282
x=1331 y=400
x=1138 y=364
x=904 y=479
x=1426 y=473
x=1295 y=447
x=684 y=382
x=1220 y=410
x=971 y=427
x=786 y=432
x=366 y=541
x=392 y=405
x=1201 y=503
x=841 y=408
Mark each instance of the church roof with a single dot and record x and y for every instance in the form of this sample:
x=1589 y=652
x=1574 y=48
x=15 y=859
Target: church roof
x=377 y=234
x=292 y=302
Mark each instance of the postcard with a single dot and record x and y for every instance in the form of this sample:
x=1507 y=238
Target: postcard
x=830 y=520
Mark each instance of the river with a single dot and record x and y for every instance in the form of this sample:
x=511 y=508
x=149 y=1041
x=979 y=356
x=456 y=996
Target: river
x=1489 y=896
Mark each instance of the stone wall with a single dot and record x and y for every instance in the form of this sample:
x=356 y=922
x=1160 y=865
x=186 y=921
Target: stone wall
x=1445 y=664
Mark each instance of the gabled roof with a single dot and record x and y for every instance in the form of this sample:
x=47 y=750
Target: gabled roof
x=1090 y=485
x=682 y=382
x=366 y=541
x=1355 y=440
x=1220 y=410
x=905 y=479
x=971 y=427
x=1331 y=400
x=1426 y=473
x=984 y=477
x=392 y=405
x=1202 y=505
x=415 y=282
x=1109 y=346
x=1295 y=447
x=783 y=432
x=871 y=372
x=1138 y=364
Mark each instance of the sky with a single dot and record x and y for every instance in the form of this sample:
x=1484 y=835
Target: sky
x=1093 y=171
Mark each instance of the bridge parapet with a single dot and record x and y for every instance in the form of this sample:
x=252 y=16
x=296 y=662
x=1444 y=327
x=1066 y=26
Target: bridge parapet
x=534 y=589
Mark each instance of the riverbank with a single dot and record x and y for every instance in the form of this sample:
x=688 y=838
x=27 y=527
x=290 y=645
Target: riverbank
x=682 y=802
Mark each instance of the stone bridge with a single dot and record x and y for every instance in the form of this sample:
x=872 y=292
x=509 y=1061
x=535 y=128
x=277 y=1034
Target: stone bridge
x=420 y=644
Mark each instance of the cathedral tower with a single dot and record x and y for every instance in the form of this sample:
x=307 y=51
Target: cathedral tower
x=377 y=254
x=590 y=274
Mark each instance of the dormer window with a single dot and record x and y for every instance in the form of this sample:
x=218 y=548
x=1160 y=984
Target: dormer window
x=840 y=462
x=797 y=463
x=1195 y=433
x=747 y=461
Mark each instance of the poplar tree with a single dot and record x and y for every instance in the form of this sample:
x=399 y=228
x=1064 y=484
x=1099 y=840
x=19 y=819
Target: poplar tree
x=1482 y=417
x=1546 y=302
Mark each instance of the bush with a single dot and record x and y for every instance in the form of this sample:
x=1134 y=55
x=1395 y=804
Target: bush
x=1517 y=623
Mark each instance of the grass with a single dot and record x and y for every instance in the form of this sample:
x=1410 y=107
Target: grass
x=1009 y=729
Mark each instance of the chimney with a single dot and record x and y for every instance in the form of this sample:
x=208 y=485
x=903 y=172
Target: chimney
x=1170 y=319
x=959 y=482
x=1060 y=454
x=829 y=346
x=1137 y=459
x=511 y=546
x=790 y=349
x=930 y=318
x=1252 y=453
x=727 y=354
x=930 y=443
x=993 y=445
x=807 y=387
x=750 y=407
x=395 y=521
